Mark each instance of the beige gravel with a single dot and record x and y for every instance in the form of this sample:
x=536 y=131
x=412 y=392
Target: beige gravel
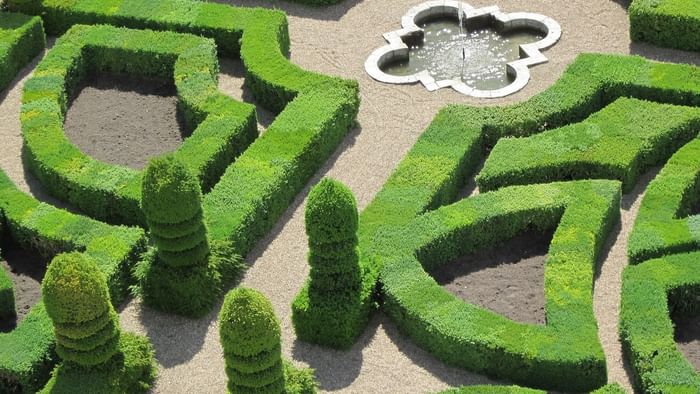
x=336 y=41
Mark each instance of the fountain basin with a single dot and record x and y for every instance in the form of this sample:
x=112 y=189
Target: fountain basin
x=398 y=49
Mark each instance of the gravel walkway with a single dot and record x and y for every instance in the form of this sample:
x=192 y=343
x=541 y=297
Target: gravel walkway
x=336 y=41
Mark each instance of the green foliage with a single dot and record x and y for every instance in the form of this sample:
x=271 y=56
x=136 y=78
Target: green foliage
x=664 y=224
x=77 y=301
x=622 y=141
x=666 y=23
x=222 y=126
x=328 y=310
x=646 y=330
x=492 y=390
x=7 y=294
x=21 y=39
x=250 y=336
x=27 y=354
x=132 y=370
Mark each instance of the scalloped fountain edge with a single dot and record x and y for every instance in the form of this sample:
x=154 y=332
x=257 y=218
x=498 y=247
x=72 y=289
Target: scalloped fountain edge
x=530 y=54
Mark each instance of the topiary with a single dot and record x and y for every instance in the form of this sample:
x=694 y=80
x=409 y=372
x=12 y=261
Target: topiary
x=328 y=311
x=77 y=300
x=179 y=278
x=250 y=335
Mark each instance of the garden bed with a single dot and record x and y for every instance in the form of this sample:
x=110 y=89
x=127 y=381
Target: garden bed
x=26 y=270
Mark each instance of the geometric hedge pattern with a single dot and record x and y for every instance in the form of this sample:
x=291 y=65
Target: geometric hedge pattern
x=415 y=222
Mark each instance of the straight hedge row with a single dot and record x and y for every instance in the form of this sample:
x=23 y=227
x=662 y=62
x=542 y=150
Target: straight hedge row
x=21 y=40
x=608 y=389
x=667 y=23
x=222 y=126
x=622 y=141
x=652 y=291
x=565 y=354
x=27 y=353
x=317 y=111
x=664 y=224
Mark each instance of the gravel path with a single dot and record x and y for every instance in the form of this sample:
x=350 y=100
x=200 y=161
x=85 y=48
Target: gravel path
x=336 y=41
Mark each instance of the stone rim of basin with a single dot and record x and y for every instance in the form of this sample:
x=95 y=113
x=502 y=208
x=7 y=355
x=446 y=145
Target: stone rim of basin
x=530 y=53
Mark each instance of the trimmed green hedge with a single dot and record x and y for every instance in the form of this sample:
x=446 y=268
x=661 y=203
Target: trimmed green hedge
x=27 y=353
x=7 y=294
x=666 y=23
x=565 y=354
x=222 y=127
x=317 y=110
x=328 y=310
x=663 y=225
x=622 y=141
x=21 y=40
x=650 y=292
x=608 y=389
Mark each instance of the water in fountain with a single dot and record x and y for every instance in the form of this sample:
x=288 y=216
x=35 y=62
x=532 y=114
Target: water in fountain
x=443 y=47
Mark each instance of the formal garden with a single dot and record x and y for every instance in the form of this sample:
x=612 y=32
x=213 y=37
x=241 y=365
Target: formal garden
x=362 y=196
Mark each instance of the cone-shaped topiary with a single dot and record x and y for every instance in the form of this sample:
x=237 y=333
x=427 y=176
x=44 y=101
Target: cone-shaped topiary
x=328 y=310
x=77 y=301
x=250 y=336
x=179 y=278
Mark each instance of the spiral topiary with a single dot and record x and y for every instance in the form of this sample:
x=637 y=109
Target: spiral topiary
x=77 y=300
x=328 y=311
x=250 y=336
x=179 y=278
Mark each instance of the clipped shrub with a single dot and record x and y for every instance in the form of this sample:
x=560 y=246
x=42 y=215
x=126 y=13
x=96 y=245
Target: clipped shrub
x=666 y=23
x=77 y=301
x=21 y=39
x=250 y=336
x=179 y=279
x=329 y=311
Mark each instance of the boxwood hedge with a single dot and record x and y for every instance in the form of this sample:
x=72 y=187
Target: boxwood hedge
x=664 y=224
x=222 y=126
x=317 y=110
x=21 y=39
x=652 y=291
x=667 y=23
x=27 y=353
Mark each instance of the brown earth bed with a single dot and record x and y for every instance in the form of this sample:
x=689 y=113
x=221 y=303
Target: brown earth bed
x=26 y=270
x=125 y=120
x=688 y=338
x=507 y=279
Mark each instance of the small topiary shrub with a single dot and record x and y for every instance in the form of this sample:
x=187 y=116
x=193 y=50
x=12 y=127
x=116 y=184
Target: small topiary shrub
x=179 y=278
x=97 y=358
x=250 y=335
x=328 y=310
x=77 y=301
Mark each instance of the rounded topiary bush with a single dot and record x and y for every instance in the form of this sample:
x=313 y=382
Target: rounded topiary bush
x=331 y=226
x=77 y=300
x=250 y=335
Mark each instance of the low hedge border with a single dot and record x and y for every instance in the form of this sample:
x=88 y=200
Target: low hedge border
x=21 y=40
x=7 y=293
x=622 y=141
x=608 y=389
x=317 y=111
x=222 y=126
x=651 y=291
x=565 y=354
x=27 y=353
x=663 y=225
x=666 y=23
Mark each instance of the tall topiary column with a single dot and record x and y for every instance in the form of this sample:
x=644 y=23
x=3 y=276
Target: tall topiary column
x=77 y=301
x=250 y=336
x=179 y=279
x=327 y=311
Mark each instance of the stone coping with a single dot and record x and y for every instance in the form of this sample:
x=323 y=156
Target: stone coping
x=530 y=54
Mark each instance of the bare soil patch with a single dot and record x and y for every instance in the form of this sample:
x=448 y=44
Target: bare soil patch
x=125 y=120
x=26 y=270
x=688 y=338
x=507 y=279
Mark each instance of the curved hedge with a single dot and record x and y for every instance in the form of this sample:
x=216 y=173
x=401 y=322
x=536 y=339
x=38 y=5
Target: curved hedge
x=317 y=111
x=666 y=23
x=222 y=126
x=650 y=292
x=663 y=225
x=622 y=141
x=21 y=40
x=328 y=310
x=27 y=353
